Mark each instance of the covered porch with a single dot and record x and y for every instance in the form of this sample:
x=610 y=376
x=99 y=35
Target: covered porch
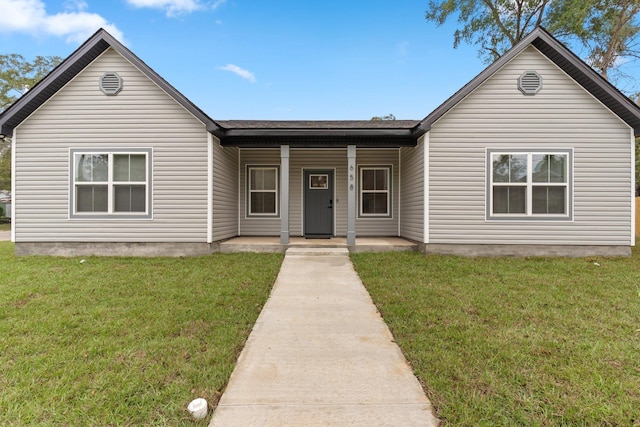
x=337 y=182
x=273 y=244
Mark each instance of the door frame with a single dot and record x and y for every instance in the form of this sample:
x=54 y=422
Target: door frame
x=318 y=169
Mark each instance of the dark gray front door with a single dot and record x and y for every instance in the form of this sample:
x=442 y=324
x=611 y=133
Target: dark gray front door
x=318 y=203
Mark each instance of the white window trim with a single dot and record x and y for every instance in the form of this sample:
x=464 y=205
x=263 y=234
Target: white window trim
x=389 y=169
x=529 y=215
x=110 y=183
x=250 y=213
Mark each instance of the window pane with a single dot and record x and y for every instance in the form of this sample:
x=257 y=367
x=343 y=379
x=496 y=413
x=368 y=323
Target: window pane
x=540 y=168
x=92 y=167
x=263 y=203
x=518 y=168
x=374 y=203
x=368 y=179
x=269 y=179
x=138 y=167
x=509 y=168
x=129 y=198
x=509 y=199
x=500 y=168
x=558 y=168
x=381 y=179
x=262 y=179
x=121 y=167
x=549 y=200
x=91 y=198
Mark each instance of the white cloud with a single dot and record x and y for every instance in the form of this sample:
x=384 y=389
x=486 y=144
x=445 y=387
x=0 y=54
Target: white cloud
x=30 y=17
x=245 y=74
x=177 y=7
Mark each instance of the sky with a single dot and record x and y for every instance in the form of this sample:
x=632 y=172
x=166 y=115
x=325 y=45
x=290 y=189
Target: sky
x=266 y=59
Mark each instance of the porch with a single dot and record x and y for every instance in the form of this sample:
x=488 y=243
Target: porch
x=272 y=244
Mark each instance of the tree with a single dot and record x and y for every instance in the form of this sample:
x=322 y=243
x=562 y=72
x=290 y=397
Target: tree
x=608 y=29
x=17 y=75
x=494 y=25
x=5 y=164
x=387 y=117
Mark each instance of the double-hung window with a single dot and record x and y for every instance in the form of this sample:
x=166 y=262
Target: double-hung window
x=529 y=184
x=110 y=183
x=262 y=191
x=375 y=191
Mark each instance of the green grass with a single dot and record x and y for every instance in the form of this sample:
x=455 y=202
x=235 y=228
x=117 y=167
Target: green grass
x=122 y=341
x=516 y=341
x=5 y=227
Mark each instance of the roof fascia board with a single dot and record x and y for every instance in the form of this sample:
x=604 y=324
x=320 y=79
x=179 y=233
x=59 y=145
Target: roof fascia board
x=318 y=132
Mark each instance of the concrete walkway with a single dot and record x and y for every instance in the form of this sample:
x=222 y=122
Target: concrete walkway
x=5 y=235
x=321 y=355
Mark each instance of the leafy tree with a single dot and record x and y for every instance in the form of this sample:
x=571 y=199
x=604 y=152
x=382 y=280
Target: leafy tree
x=494 y=25
x=608 y=29
x=5 y=164
x=387 y=117
x=17 y=75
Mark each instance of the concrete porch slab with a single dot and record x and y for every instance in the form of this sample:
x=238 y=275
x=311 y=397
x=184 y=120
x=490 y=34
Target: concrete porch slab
x=272 y=244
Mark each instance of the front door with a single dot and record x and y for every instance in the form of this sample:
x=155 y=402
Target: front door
x=318 y=204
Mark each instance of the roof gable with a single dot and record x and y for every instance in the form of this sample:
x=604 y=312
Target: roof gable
x=72 y=66
x=560 y=55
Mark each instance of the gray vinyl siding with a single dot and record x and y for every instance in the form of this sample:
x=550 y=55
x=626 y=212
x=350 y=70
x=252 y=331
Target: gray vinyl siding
x=563 y=116
x=225 y=191
x=412 y=187
x=330 y=159
x=140 y=116
x=255 y=226
x=380 y=226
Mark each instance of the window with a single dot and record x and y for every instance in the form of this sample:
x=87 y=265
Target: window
x=375 y=194
x=110 y=183
x=529 y=184
x=263 y=191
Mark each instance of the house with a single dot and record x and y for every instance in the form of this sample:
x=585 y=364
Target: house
x=534 y=156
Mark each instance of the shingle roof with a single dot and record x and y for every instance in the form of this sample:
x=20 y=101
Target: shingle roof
x=318 y=124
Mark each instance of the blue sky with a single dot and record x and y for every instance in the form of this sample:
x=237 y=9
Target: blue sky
x=270 y=60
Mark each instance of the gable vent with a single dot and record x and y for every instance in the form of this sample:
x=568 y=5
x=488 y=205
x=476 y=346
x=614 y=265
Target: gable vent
x=530 y=83
x=111 y=83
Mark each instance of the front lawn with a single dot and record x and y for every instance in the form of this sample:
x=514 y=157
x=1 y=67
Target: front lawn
x=516 y=341
x=122 y=341
x=5 y=227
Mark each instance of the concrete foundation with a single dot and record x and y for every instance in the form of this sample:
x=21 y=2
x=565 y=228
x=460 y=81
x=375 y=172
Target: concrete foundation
x=525 y=250
x=69 y=249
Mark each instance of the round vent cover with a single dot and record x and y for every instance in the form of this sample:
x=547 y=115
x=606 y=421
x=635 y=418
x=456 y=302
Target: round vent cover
x=111 y=83
x=530 y=83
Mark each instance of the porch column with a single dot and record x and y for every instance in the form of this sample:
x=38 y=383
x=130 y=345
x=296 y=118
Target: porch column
x=351 y=195
x=284 y=194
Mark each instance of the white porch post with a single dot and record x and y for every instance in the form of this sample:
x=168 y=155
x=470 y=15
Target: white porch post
x=284 y=194
x=351 y=195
